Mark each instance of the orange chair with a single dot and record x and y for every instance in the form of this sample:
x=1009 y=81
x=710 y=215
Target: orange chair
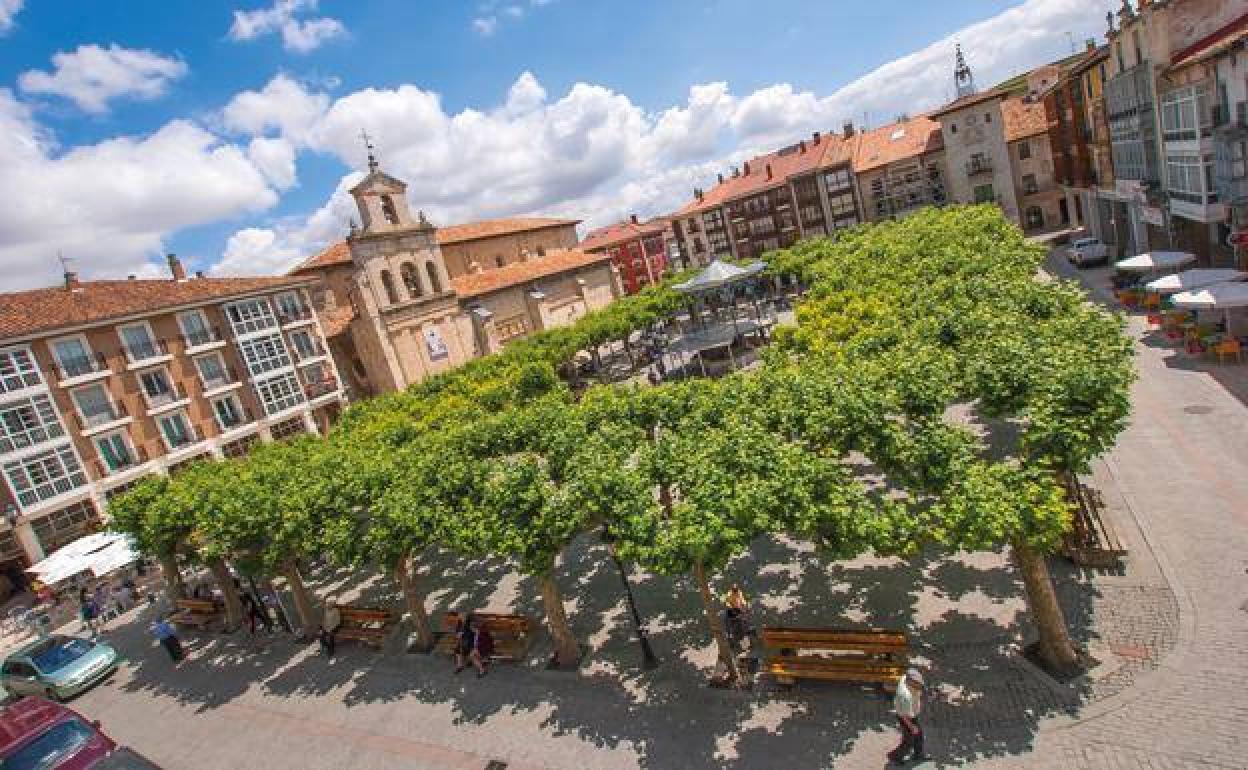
x=1229 y=347
x=1151 y=301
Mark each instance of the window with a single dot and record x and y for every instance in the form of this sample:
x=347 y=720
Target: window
x=498 y=260
x=1024 y=150
x=388 y=210
x=810 y=213
x=288 y=428
x=1029 y=184
x=138 y=341
x=1185 y=113
x=953 y=128
x=45 y=475
x=27 y=423
x=241 y=447
x=250 y=316
x=984 y=194
x=176 y=430
x=157 y=388
x=411 y=280
x=835 y=181
x=713 y=219
x=290 y=307
x=212 y=371
x=1186 y=178
x=842 y=205
x=115 y=452
x=304 y=344
x=63 y=526
x=762 y=226
x=73 y=357
x=195 y=328
x=987 y=117
x=228 y=412
x=279 y=393
x=17 y=370
x=435 y=283
x=387 y=284
x=94 y=405
x=1034 y=217
x=718 y=242
x=264 y=354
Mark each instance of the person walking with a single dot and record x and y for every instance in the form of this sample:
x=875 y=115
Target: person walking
x=482 y=647
x=736 y=614
x=465 y=642
x=908 y=702
x=168 y=639
x=329 y=626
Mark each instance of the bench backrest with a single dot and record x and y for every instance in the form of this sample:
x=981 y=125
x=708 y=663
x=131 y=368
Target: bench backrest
x=364 y=614
x=826 y=638
x=494 y=622
x=200 y=606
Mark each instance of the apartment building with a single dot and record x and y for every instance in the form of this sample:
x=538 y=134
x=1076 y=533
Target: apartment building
x=105 y=382
x=900 y=167
x=1071 y=134
x=640 y=251
x=1042 y=202
x=803 y=190
x=405 y=300
x=1230 y=132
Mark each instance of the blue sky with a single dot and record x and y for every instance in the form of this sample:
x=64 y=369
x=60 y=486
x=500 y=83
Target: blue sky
x=147 y=126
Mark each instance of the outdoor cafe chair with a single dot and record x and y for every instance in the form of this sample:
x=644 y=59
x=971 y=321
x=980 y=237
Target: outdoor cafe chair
x=1228 y=347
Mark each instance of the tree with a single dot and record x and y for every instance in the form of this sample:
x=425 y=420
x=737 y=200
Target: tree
x=160 y=526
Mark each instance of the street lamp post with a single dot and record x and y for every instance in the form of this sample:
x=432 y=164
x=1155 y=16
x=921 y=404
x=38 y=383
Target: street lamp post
x=649 y=661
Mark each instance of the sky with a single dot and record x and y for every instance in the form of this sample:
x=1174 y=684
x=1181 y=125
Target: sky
x=229 y=131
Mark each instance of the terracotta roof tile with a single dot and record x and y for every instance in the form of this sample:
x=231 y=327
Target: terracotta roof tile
x=795 y=160
x=1023 y=119
x=999 y=92
x=897 y=141
x=620 y=232
x=555 y=262
x=25 y=313
x=339 y=254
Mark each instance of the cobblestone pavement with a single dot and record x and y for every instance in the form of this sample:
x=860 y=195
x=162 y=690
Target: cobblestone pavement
x=1170 y=629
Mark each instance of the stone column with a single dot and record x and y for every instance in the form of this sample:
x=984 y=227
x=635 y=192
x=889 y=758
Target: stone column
x=25 y=535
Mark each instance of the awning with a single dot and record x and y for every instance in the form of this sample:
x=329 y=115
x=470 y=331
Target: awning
x=1194 y=279
x=97 y=554
x=719 y=274
x=1220 y=296
x=1155 y=260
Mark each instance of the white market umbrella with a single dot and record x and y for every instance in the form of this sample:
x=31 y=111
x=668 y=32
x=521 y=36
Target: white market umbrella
x=719 y=273
x=98 y=554
x=1220 y=296
x=1194 y=279
x=1150 y=261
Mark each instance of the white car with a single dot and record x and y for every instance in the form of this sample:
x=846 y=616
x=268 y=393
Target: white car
x=1087 y=251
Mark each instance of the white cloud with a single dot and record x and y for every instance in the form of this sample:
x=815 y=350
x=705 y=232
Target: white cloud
x=298 y=35
x=111 y=206
x=93 y=76
x=485 y=25
x=9 y=9
x=283 y=104
x=276 y=160
x=493 y=13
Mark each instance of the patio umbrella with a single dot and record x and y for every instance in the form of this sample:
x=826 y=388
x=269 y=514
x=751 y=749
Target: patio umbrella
x=718 y=273
x=1194 y=279
x=1220 y=296
x=1151 y=261
x=99 y=554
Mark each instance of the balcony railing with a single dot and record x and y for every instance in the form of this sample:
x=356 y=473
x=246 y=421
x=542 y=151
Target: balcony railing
x=190 y=435
x=200 y=337
x=978 y=166
x=113 y=413
x=118 y=463
x=318 y=388
x=165 y=397
x=226 y=376
x=79 y=366
x=291 y=315
x=147 y=350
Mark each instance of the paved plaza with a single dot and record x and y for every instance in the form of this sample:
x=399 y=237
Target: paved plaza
x=1170 y=630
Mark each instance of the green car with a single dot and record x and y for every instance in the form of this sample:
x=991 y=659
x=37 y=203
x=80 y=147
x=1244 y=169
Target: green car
x=57 y=667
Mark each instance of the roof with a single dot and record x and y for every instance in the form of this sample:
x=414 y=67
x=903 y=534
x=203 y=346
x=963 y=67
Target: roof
x=621 y=232
x=340 y=254
x=794 y=160
x=1023 y=119
x=1212 y=44
x=970 y=99
x=25 y=313
x=555 y=262
x=897 y=141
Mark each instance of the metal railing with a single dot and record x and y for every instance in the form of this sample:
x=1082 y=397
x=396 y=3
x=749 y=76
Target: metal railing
x=149 y=349
x=78 y=366
x=202 y=336
x=115 y=411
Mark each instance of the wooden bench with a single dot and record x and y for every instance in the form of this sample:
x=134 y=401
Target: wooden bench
x=196 y=612
x=1091 y=541
x=370 y=625
x=512 y=634
x=867 y=656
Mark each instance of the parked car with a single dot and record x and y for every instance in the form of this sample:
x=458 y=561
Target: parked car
x=37 y=734
x=57 y=667
x=1087 y=251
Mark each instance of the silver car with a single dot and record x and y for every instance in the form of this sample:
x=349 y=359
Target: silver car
x=57 y=667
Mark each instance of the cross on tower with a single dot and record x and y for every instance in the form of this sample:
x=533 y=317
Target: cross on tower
x=64 y=260
x=368 y=145
x=963 y=81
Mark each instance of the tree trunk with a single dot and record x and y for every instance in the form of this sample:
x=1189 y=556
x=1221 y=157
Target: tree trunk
x=1054 y=643
x=716 y=623
x=303 y=601
x=414 y=600
x=174 y=585
x=567 y=651
x=233 y=605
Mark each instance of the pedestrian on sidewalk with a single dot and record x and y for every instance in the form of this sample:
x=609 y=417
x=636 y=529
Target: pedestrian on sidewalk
x=465 y=642
x=168 y=639
x=329 y=626
x=908 y=702
x=482 y=647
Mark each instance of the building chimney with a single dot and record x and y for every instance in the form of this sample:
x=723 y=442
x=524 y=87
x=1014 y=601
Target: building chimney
x=745 y=168
x=721 y=178
x=768 y=171
x=199 y=273
x=736 y=172
x=632 y=218
x=816 y=137
x=131 y=277
x=847 y=130
x=697 y=193
x=1090 y=44
x=71 y=281
x=801 y=145
x=175 y=267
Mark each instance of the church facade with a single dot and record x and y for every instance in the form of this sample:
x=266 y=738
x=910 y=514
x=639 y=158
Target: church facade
x=404 y=300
